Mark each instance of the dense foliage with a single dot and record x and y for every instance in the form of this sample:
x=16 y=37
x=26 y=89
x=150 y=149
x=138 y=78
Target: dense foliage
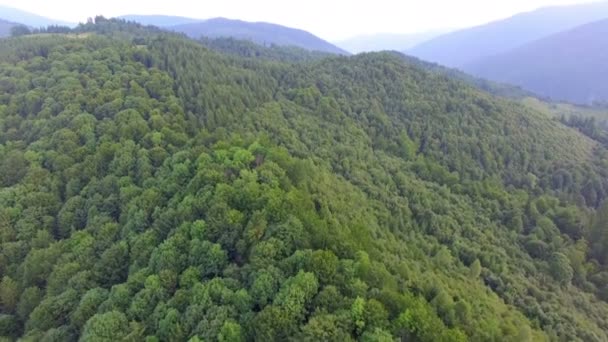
x=249 y=49
x=590 y=126
x=151 y=188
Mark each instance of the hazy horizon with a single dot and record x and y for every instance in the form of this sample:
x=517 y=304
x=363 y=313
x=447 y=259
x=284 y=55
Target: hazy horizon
x=354 y=18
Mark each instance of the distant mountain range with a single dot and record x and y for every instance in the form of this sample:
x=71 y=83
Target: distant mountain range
x=386 y=41
x=259 y=32
x=570 y=66
x=462 y=47
x=556 y=52
x=28 y=19
x=5 y=28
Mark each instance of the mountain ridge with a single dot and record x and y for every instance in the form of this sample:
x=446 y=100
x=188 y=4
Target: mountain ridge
x=259 y=32
x=568 y=66
x=29 y=19
x=152 y=188
x=5 y=27
x=458 y=48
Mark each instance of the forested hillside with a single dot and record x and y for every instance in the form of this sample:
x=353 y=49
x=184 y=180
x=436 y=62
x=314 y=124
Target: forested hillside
x=154 y=189
x=248 y=49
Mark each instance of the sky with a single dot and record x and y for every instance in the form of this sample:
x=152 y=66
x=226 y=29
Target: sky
x=333 y=20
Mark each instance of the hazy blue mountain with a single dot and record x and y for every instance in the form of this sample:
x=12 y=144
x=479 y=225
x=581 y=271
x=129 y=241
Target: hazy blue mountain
x=465 y=46
x=569 y=66
x=5 y=27
x=504 y=90
x=261 y=33
x=386 y=41
x=27 y=18
x=159 y=20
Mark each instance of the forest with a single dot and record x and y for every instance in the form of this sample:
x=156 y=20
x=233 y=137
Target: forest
x=158 y=188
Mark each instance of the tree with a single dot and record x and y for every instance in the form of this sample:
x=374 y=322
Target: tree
x=570 y=221
x=324 y=265
x=296 y=293
x=418 y=322
x=375 y=315
x=560 y=268
x=170 y=328
x=444 y=305
x=53 y=312
x=118 y=300
x=265 y=286
x=377 y=335
x=599 y=234
x=273 y=324
x=13 y=167
x=88 y=306
x=475 y=269
x=231 y=332
x=325 y=327
x=9 y=294
x=146 y=300
x=462 y=311
x=209 y=257
x=59 y=278
x=9 y=326
x=110 y=326
x=112 y=268
x=357 y=314
x=29 y=300
x=20 y=30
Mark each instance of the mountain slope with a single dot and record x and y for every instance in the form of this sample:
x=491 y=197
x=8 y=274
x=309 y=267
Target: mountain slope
x=508 y=91
x=465 y=46
x=153 y=189
x=28 y=19
x=249 y=49
x=260 y=33
x=386 y=41
x=569 y=66
x=5 y=28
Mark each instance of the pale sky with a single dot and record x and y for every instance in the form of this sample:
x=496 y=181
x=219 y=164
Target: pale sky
x=330 y=19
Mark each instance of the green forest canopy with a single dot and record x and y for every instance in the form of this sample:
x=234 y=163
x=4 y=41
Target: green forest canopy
x=154 y=189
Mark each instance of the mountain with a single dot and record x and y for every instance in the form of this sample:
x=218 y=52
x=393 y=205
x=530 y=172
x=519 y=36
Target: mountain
x=462 y=47
x=154 y=189
x=5 y=28
x=261 y=33
x=159 y=20
x=28 y=19
x=569 y=66
x=386 y=41
x=504 y=90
